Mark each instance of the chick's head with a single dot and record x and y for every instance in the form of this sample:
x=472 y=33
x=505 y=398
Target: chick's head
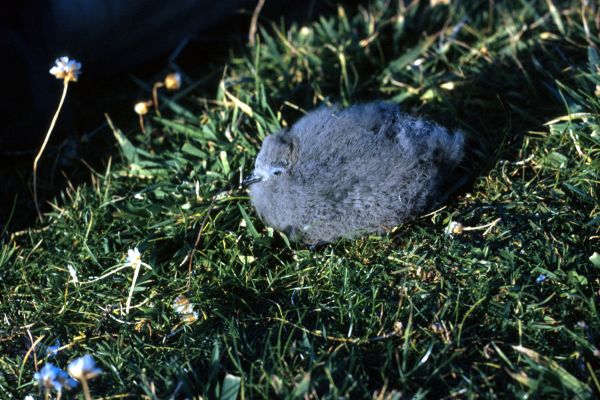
x=276 y=159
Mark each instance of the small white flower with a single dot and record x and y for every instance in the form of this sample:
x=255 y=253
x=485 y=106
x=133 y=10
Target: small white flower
x=51 y=377
x=134 y=258
x=182 y=305
x=66 y=69
x=53 y=350
x=73 y=273
x=189 y=318
x=47 y=377
x=185 y=309
x=418 y=62
x=63 y=380
x=454 y=228
x=84 y=368
x=29 y=397
x=138 y=196
x=398 y=328
x=448 y=85
x=305 y=31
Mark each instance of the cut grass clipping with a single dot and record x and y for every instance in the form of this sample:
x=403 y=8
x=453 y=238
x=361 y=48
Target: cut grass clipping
x=423 y=312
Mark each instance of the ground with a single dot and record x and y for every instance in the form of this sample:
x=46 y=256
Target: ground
x=504 y=312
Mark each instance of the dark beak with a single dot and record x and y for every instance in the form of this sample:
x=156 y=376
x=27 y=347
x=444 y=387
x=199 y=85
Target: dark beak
x=250 y=179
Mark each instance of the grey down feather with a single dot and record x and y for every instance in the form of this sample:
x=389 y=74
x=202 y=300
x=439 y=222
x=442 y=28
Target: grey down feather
x=340 y=173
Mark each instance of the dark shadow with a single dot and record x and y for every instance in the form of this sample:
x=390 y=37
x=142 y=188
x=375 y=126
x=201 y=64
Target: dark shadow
x=81 y=139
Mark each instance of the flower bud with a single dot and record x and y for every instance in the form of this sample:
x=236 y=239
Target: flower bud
x=141 y=108
x=173 y=81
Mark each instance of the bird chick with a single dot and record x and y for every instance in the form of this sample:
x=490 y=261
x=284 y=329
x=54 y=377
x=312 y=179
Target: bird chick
x=340 y=173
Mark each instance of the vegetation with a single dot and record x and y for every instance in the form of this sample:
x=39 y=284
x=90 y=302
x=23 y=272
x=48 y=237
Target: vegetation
x=509 y=311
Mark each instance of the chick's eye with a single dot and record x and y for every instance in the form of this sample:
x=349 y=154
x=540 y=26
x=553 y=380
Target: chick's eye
x=277 y=172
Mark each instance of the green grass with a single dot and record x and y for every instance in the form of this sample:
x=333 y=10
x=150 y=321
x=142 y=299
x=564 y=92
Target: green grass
x=412 y=314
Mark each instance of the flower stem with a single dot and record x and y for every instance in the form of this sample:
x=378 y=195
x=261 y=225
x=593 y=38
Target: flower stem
x=39 y=155
x=155 y=88
x=488 y=226
x=86 y=389
x=135 y=276
x=142 y=126
x=253 y=21
x=107 y=274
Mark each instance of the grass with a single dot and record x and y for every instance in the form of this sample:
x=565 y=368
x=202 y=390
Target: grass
x=412 y=314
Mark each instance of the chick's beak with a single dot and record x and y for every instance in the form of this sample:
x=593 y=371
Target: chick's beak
x=250 y=179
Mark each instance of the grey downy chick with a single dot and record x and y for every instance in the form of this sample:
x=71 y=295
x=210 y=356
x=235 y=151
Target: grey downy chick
x=340 y=173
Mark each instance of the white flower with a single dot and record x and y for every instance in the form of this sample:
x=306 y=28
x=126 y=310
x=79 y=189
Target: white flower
x=418 y=62
x=189 y=318
x=63 y=380
x=66 y=69
x=73 y=273
x=182 y=305
x=84 y=368
x=29 y=397
x=185 y=309
x=47 y=376
x=53 y=350
x=134 y=258
x=305 y=31
x=51 y=377
x=454 y=228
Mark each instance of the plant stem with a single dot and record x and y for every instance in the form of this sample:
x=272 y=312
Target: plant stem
x=39 y=155
x=86 y=389
x=253 y=21
x=488 y=226
x=155 y=96
x=135 y=276
x=142 y=126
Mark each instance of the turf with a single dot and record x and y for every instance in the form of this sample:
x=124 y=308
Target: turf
x=505 y=312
